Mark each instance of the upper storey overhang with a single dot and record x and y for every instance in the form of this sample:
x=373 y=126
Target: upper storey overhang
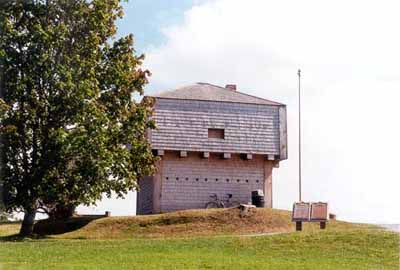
x=186 y=117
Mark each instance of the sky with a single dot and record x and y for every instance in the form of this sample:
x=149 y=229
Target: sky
x=349 y=54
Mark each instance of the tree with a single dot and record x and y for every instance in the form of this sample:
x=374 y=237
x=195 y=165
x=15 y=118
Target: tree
x=70 y=127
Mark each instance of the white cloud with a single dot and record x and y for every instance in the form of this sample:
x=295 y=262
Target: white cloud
x=349 y=52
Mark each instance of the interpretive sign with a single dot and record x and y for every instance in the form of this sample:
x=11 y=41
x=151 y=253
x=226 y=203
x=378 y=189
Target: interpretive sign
x=310 y=212
x=301 y=211
x=319 y=211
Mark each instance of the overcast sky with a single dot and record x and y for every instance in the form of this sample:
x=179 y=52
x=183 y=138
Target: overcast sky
x=349 y=54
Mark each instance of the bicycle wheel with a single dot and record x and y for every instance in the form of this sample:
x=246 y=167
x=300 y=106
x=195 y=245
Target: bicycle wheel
x=211 y=205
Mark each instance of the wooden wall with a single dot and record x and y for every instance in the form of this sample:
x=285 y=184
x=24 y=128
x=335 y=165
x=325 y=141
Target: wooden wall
x=144 y=199
x=188 y=183
x=182 y=125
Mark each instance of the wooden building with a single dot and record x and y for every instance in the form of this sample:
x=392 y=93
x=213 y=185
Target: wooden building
x=212 y=139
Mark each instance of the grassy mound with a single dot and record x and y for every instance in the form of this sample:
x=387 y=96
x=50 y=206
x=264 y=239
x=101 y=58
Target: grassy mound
x=187 y=223
x=186 y=240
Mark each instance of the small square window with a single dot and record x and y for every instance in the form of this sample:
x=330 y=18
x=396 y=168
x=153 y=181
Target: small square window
x=216 y=133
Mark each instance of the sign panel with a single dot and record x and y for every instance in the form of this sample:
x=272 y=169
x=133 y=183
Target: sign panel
x=301 y=211
x=319 y=211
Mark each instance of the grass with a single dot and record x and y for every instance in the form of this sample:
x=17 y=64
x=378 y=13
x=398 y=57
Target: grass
x=204 y=240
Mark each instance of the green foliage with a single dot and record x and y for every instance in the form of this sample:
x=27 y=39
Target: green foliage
x=66 y=106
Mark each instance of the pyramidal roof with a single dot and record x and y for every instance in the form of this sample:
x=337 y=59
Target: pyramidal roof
x=210 y=92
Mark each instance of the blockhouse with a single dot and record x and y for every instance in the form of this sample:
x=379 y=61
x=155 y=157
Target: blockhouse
x=212 y=139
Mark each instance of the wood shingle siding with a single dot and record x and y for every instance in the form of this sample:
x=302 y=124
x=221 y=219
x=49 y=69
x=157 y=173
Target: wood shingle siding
x=248 y=128
x=145 y=196
x=283 y=133
x=188 y=183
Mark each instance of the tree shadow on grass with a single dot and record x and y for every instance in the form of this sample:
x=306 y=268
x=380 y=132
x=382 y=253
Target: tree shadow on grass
x=44 y=229
x=18 y=238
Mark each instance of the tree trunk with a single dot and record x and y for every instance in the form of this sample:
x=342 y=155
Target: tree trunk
x=28 y=223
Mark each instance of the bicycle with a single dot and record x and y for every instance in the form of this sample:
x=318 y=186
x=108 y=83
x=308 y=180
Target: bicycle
x=224 y=203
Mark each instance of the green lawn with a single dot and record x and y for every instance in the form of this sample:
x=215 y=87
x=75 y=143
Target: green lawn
x=342 y=246
x=324 y=250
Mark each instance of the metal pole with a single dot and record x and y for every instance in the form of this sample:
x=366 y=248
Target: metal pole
x=1 y=137
x=299 y=74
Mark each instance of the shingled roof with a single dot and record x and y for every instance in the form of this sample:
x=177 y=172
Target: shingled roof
x=210 y=92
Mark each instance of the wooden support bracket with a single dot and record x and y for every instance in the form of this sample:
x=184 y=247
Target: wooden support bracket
x=183 y=154
x=206 y=154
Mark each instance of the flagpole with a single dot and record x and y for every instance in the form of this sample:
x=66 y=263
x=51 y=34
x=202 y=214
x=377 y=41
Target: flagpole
x=299 y=75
